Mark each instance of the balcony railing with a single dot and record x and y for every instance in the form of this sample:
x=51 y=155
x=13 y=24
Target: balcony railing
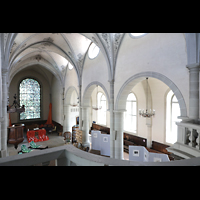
x=68 y=155
x=188 y=140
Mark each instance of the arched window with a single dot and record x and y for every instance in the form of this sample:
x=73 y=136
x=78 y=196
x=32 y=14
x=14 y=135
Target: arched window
x=130 y=122
x=101 y=101
x=172 y=112
x=30 y=96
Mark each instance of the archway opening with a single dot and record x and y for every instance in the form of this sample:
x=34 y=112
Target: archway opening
x=96 y=98
x=154 y=128
x=71 y=109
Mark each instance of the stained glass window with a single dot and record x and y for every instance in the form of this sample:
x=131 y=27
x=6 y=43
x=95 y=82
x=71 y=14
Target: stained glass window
x=29 y=95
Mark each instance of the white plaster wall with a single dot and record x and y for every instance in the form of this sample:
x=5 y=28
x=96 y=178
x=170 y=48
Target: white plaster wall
x=139 y=92
x=95 y=70
x=71 y=79
x=158 y=91
x=164 y=53
x=29 y=72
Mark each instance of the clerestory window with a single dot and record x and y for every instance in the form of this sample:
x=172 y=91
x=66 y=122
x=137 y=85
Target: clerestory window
x=93 y=51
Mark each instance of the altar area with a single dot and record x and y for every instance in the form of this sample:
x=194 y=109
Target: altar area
x=54 y=141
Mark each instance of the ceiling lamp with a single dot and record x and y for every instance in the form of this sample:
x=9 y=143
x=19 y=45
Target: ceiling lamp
x=150 y=113
x=16 y=107
x=96 y=107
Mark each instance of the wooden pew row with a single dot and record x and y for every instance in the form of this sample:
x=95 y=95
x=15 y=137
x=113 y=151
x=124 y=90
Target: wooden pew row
x=136 y=141
x=103 y=129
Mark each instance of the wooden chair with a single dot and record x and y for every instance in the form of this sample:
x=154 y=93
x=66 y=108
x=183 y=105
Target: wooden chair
x=67 y=136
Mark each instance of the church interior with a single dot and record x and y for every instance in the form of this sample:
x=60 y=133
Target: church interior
x=103 y=99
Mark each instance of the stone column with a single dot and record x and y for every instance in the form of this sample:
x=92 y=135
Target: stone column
x=85 y=128
x=66 y=126
x=119 y=129
x=4 y=124
x=80 y=108
x=193 y=91
x=1 y=112
x=112 y=133
x=149 y=130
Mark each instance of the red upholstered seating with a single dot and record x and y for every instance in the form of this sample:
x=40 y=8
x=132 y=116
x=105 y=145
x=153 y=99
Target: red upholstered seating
x=41 y=134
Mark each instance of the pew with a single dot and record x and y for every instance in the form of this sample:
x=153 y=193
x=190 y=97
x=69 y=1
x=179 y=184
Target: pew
x=103 y=129
x=133 y=140
x=161 y=148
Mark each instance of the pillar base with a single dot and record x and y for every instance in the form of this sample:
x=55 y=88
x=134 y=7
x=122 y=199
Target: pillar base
x=3 y=153
x=86 y=144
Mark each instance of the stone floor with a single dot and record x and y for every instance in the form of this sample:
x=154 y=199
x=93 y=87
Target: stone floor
x=54 y=141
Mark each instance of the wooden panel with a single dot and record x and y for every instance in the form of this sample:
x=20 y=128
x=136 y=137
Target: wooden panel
x=15 y=135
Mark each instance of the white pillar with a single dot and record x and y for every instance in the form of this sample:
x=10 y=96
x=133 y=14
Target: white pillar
x=66 y=125
x=119 y=129
x=1 y=112
x=193 y=91
x=80 y=108
x=4 y=124
x=85 y=128
x=112 y=133
x=149 y=132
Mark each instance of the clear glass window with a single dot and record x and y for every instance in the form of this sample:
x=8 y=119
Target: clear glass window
x=172 y=113
x=70 y=66
x=101 y=99
x=137 y=35
x=130 y=122
x=93 y=51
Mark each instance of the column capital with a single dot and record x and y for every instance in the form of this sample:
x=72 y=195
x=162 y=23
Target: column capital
x=194 y=66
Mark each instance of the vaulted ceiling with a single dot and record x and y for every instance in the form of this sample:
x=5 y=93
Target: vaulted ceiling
x=52 y=50
x=55 y=51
